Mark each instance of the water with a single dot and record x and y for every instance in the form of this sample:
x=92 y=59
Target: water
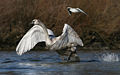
x=109 y=57
x=49 y=63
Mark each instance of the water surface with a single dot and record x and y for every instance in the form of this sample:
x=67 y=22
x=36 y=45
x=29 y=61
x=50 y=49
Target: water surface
x=50 y=63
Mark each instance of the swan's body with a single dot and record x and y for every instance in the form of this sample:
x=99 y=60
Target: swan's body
x=74 y=10
x=39 y=33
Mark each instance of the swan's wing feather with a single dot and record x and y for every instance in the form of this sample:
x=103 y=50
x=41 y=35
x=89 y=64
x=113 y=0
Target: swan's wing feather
x=68 y=36
x=60 y=43
x=30 y=39
x=50 y=32
x=73 y=36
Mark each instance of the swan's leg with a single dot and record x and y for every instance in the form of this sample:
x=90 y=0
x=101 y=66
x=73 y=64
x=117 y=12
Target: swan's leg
x=73 y=50
x=70 y=56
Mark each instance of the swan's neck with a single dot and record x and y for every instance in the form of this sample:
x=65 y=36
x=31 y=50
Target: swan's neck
x=48 y=41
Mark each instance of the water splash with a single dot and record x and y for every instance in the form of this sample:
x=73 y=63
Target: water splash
x=109 y=57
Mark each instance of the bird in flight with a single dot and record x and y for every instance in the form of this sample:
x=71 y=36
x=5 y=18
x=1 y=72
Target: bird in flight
x=67 y=41
x=74 y=10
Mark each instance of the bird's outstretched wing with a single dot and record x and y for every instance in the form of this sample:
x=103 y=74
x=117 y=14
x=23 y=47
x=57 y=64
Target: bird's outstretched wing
x=66 y=38
x=80 y=10
x=30 y=39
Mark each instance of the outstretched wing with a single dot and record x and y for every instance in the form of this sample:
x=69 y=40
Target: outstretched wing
x=80 y=10
x=30 y=39
x=66 y=38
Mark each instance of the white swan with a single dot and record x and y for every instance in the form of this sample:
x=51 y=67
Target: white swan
x=74 y=10
x=39 y=33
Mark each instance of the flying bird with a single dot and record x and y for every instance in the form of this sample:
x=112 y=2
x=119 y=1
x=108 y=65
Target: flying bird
x=39 y=33
x=74 y=10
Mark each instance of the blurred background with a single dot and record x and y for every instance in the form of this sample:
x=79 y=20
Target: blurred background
x=99 y=30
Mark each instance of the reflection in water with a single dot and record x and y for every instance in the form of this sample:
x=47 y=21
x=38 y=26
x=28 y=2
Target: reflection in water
x=109 y=57
x=49 y=63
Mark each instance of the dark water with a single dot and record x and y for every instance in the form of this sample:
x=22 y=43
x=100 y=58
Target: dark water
x=49 y=63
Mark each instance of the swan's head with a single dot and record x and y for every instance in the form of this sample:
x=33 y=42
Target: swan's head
x=35 y=22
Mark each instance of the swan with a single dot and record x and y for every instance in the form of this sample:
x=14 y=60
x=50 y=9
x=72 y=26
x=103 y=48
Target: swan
x=39 y=33
x=74 y=10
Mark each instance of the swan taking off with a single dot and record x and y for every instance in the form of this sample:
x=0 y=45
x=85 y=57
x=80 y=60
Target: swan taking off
x=38 y=33
x=74 y=10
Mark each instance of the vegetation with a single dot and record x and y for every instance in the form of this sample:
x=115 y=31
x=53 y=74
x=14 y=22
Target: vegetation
x=100 y=29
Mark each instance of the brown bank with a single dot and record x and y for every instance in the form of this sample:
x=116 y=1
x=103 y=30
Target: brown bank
x=98 y=30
